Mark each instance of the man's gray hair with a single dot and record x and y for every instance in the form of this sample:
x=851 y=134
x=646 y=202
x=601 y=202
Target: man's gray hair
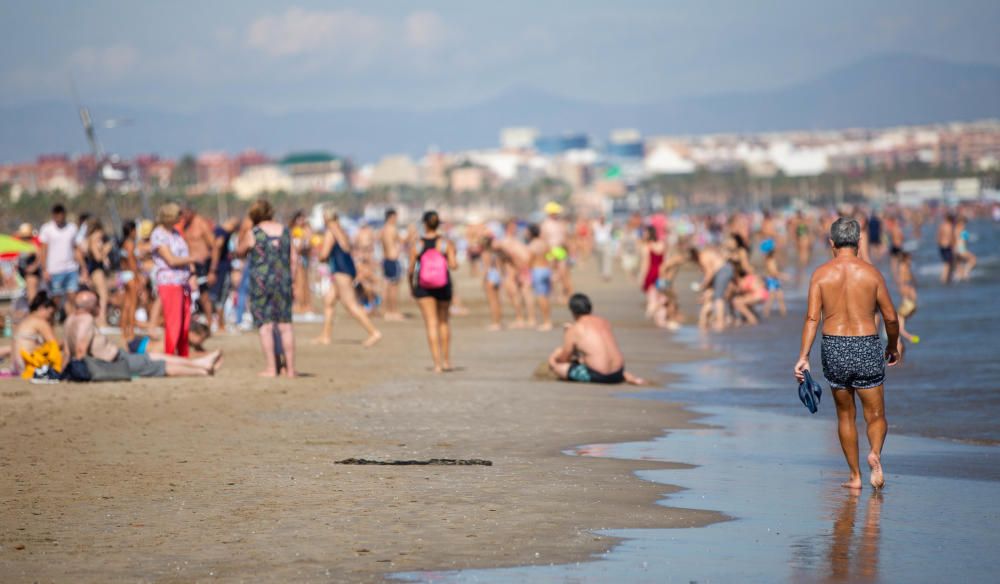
x=845 y=232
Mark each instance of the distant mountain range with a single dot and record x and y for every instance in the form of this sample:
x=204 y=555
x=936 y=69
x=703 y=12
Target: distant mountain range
x=876 y=92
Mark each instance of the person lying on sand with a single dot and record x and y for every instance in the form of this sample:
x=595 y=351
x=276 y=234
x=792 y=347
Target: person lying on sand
x=83 y=339
x=589 y=353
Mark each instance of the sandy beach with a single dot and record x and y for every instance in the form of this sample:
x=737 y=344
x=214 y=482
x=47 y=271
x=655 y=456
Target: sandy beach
x=234 y=477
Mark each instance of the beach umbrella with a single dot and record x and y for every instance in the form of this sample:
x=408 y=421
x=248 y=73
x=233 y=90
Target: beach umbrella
x=11 y=246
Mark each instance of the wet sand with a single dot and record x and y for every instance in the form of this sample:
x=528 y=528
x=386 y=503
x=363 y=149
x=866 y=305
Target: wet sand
x=233 y=477
x=778 y=476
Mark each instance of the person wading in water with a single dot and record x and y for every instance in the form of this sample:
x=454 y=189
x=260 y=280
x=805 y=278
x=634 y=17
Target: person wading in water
x=845 y=292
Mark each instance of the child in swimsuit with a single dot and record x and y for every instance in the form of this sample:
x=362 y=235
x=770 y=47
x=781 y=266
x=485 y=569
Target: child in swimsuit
x=772 y=282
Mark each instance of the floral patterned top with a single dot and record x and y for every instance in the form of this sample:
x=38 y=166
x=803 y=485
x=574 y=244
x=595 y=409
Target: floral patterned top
x=165 y=274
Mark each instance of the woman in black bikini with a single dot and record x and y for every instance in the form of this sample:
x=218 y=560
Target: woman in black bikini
x=435 y=303
x=97 y=247
x=337 y=251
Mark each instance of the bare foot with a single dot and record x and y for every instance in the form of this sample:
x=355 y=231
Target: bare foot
x=267 y=373
x=394 y=316
x=517 y=324
x=208 y=360
x=370 y=341
x=877 y=478
x=438 y=369
x=446 y=366
x=321 y=341
x=494 y=328
x=291 y=374
x=216 y=365
x=854 y=483
x=545 y=327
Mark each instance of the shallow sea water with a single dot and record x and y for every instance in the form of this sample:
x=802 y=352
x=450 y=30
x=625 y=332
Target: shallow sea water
x=776 y=469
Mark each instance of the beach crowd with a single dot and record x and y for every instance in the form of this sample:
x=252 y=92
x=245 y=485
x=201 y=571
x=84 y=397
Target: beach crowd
x=143 y=299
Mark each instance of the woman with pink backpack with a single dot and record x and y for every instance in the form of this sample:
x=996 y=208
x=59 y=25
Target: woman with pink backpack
x=430 y=282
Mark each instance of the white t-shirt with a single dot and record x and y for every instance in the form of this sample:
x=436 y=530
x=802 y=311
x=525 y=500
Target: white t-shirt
x=60 y=245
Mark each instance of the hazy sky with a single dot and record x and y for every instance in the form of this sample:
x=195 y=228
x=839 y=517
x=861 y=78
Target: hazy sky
x=303 y=54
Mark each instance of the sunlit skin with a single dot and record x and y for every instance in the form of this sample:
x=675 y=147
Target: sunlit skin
x=342 y=289
x=845 y=293
x=592 y=342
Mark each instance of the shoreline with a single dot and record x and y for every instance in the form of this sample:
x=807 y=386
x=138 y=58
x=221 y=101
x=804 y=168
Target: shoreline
x=233 y=477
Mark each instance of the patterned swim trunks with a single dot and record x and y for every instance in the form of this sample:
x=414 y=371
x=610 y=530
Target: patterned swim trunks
x=853 y=362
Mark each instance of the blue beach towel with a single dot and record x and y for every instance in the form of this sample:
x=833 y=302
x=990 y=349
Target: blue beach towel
x=810 y=392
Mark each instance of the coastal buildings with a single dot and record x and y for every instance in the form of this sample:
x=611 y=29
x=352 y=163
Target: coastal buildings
x=603 y=166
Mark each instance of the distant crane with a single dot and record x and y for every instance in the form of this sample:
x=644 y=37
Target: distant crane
x=106 y=170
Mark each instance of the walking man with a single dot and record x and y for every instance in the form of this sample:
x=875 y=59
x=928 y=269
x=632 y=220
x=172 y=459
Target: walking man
x=845 y=292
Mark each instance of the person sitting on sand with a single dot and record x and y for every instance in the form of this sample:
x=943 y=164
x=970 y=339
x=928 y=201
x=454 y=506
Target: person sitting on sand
x=845 y=292
x=83 y=339
x=35 y=332
x=589 y=353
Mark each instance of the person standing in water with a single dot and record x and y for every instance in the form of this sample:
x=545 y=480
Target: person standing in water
x=773 y=278
x=336 y=250
x=845 y=292
x=946 y=247
x=429 y=275
x=966 y=260
x=653 y=251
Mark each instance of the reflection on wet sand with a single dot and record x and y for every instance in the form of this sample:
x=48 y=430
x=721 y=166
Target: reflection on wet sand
x=862 y=565
x=778 y=477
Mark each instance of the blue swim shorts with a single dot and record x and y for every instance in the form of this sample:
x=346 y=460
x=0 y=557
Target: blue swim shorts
x=541 y=281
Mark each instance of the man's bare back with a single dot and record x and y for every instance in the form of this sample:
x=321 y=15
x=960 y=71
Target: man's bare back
x=849 y=290
x=589 y=352
x=518 y=252
x=594 y=344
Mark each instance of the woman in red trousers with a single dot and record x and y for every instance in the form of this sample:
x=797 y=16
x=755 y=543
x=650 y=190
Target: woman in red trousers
x=172 y=275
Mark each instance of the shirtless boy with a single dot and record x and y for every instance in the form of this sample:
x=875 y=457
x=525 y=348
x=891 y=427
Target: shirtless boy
x=845 y=292
x=590 y=352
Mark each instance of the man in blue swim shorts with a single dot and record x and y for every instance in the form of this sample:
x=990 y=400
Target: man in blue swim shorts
x=390 y=264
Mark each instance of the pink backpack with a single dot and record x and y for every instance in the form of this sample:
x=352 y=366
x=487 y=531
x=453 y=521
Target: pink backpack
x=433 y=269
